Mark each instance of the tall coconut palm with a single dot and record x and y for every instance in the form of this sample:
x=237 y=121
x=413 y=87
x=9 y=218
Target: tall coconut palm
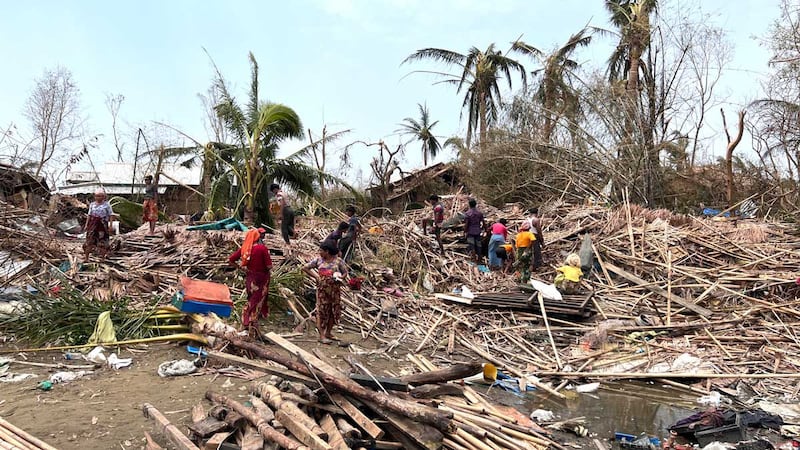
x=259 y=127
x=479 y=75
x=422 y=130
x=555 y=89
x=632 y=20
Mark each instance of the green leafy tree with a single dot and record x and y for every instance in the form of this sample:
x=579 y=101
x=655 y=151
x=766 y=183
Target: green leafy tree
x=631 y=18
x=479 y=74
x=422 y=130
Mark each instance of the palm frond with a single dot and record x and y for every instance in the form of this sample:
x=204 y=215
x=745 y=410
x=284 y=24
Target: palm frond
x=436 y=54
x=526 y=49
x=252 y=99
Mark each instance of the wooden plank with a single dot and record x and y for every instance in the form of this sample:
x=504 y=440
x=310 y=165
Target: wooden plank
x=299 y=431
x=421 y=434
x=453 y=298
x=280 y=371
x=216 y=441
x=310 y=358
x=660 y=291
x=335 y=438
x=357 y=416
x=392 y=384
x=171 y=431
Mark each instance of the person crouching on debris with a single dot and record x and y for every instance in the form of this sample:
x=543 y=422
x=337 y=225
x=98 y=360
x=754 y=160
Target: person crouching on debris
x=505 y=252
x=349 y=236
x=336 y=235
x=499 y=236
x=98 y=224
x=569 y=275
x=254 y=257
x=150 y=204
x=331 y=274
x=438 y=220
x=525 y=240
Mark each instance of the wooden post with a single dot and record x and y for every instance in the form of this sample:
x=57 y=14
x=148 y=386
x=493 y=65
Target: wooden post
x=454 y=372
x=335 y=438
x=171 y=431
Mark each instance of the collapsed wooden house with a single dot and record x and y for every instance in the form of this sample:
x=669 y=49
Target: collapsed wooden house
x=21 y=188
x=415 y=187
x=178 y=185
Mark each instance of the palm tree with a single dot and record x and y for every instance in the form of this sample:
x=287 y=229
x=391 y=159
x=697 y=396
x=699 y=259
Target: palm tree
x=556 y=91
x=632 y=19
x=422 y=130
x=479 y=73
x=258 y=129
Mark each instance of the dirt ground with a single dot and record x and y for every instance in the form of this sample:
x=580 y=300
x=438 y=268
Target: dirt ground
x=104 y=410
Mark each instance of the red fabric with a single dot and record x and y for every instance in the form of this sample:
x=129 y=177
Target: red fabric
x=260 y=260
x=150 y=210
x=257 y=286
x=205 y=291
x=499 y=228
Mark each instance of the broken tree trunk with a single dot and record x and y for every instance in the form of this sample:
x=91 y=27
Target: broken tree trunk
x=261 y=425
x=454 y=372
x=414 y=411
x=732 y=143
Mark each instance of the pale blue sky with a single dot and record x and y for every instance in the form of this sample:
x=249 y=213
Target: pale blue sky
x=334 y=61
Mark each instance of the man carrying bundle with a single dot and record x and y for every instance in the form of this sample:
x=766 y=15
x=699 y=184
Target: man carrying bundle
x=254 y=257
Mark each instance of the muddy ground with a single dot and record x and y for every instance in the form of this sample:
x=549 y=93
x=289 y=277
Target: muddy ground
x=104 y=410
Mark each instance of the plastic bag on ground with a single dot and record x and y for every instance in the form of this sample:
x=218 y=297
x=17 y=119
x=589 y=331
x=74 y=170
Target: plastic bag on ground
x=586 y=388
x=542 y=415
x=117 y=363
x=176 y=368
x=547 y=290
x=66 y=377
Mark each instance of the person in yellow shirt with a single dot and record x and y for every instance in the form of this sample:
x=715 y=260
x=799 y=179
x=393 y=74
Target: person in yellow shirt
x=525 y=241
x=505 y=252
x=569 y=275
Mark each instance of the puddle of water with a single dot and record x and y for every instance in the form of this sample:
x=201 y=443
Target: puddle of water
x=629 y=407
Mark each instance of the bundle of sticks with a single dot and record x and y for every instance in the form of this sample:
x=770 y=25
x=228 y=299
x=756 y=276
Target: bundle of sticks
x=13 y=437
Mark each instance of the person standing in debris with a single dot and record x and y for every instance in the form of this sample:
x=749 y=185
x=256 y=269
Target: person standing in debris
x=499 y=236
x=150 y=204
x=331 y=274
x=536 y=227
x=254 y=257
x=287 y=213
x=336 y=235
x=349 y=236
x=525 y=241
x=438 y=220
x=98 y=224
x=473 y=226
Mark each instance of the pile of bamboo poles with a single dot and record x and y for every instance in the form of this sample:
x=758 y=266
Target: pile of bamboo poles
x=13 y=437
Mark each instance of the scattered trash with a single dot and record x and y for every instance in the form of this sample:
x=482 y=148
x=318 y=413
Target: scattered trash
x=712 y=399
x=45 y=385
x=117 y=363
x=466 y=292
x=103 y=330
x=176 y=368
x=641 y=441
x=543 y=415
x=66 y=377
x=586 y=388
x=8 y=377
x=547 y=290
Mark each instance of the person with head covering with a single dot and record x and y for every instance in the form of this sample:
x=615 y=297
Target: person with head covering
x=330 y=275
x=568 y=279
x=98 y=224
x=150 y=204
x=281 y=203
x=525 y=241
x=254 y=257
x=499 y=236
